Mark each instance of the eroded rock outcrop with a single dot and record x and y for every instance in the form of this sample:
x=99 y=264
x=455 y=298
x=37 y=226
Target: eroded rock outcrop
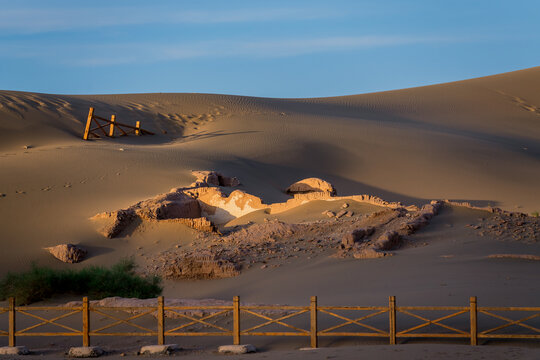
x=356 y=236
x=205 y=265
x=204 y=204
x=68 y=253
x=387 y=241
x=114 y=222
x=221 y=208
x=213 y=178
x=311 y=185
x=201 y=224
x=390 y=228
x=172 y=205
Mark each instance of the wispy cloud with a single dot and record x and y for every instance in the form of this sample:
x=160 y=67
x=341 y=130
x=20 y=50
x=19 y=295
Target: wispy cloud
x=27 y=21
x=143 y=53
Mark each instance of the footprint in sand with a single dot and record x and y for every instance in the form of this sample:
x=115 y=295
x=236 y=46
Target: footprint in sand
x=522 y=103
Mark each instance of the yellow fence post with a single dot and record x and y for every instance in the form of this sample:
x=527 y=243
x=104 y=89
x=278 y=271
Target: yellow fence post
x=11 y=330
x=236 y=320
x=474 y=320
x=161 y=320
x=111 y=127
x=392 y=316
x=138 y=128
x=88 y=123
x=313 y=311
x=86 y=321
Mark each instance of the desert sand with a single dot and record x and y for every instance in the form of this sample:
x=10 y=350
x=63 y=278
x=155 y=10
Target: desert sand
x=476 y=141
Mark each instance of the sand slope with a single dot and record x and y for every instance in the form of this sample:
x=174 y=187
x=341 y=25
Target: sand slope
x=475 y=140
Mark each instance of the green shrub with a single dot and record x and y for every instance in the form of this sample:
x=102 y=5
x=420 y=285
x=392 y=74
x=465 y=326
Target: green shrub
x=96 y=282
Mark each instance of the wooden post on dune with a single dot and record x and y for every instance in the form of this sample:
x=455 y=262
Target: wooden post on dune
x=11 y=330
x=313 y=328
x=392 y=318
x=161 y=320
x=236 y=320
x=86 y=322
x=474 y=321
x=111 y=127
x=138 y=128
x=88 y=123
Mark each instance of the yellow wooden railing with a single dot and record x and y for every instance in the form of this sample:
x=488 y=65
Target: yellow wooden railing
x=238 y=320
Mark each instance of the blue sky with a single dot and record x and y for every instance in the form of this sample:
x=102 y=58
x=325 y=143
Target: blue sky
x=260 y=48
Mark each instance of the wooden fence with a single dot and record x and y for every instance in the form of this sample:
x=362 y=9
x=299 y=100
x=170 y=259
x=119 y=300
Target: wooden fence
x=468 y=322
x=112 y=124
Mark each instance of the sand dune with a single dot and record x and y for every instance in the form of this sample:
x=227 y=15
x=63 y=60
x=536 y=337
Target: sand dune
x=476 y=140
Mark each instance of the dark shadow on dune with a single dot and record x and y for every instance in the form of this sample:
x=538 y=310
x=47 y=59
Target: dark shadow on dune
x=201 y=135
x=269 y=181
x=96 y=250
x=378 y=113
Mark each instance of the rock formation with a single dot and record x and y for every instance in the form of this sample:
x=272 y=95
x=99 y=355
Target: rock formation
x=213 y=178
x=204 y=265
x=67 y=253
x=355 y=236
x=311 y=185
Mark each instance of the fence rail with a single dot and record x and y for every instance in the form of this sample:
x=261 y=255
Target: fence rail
x=107 y=127
x=238 y=320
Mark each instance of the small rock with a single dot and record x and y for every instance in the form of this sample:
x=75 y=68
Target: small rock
x=121 y=149
x=237 y=349
x=264 y=266
x=349 y=214
x=13 y=350
x=2 y=195
x=344 y=206
x=85 y=352
x=159 y=349
x=341 y=213
x=330 y=214
x=67 y=253
x=26 y=147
